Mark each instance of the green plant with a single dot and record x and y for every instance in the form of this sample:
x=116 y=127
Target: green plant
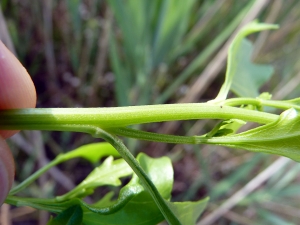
x=278 y=135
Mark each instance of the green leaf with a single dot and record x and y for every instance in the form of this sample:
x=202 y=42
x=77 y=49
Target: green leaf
x=281 y=137
x=71 y=216
x=160 y=172
x=249 y=77
x=134 y=205
x=141 y=209
x=265 y=96
x=91 y=152
x=188 y=212
x=108 y=173
x=238 y=63
x=226 y=127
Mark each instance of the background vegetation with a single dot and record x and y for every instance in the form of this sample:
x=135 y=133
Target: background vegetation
x=96 y=53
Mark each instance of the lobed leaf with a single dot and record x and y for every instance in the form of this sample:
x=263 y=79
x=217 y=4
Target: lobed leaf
x=281 y=137
x=239 y=68
x=134 y=204
x=135 y=196
x=149 y=214
x=248 y=77
x=108 y=173
x=92 y=152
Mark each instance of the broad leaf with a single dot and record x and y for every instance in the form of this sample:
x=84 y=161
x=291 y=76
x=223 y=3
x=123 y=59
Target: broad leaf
x=281 y=137
x=239 y=62
x=133 y=206
x=134 y=196
x=248 y=76
x=161 y=173
x=188 y=212
x=71 y=216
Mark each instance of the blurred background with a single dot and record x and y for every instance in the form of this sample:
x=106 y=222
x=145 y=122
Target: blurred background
x=105 y=53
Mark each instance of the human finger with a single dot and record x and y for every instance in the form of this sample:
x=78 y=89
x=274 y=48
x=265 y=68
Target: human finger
x=16 y=87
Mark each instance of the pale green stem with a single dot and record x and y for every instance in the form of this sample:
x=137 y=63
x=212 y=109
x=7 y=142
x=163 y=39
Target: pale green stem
x=37 y=203
x=260 y=102
x=63 y=119
x=59 y=159
x=150 y=136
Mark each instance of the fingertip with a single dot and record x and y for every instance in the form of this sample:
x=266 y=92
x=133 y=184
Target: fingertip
x=16 y=87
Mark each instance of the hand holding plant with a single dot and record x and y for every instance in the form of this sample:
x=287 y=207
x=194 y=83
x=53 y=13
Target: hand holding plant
x=16 y=91
x=149 y=188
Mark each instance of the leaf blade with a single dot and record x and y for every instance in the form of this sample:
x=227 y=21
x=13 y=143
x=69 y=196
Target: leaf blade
x=233 y=57
x=249 y=76
x=71 y=216
x=91 y=152
x=281 y=137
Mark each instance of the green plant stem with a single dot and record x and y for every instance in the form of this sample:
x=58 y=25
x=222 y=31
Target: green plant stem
x=59 y=159
x=33 y=177
x=133 y=163
x=260 y=102
x=37 y=203
x=63 y=119
x=126 y=155
x=150 y=136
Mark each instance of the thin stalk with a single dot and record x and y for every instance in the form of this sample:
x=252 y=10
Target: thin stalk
x=33 y=177
x=260 y=102
x=37 y=203
x=150 y=136
x=59 y=159
x=133 y=163
x=280 y=104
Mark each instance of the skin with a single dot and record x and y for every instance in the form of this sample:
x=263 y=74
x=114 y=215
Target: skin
x=16 y=91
